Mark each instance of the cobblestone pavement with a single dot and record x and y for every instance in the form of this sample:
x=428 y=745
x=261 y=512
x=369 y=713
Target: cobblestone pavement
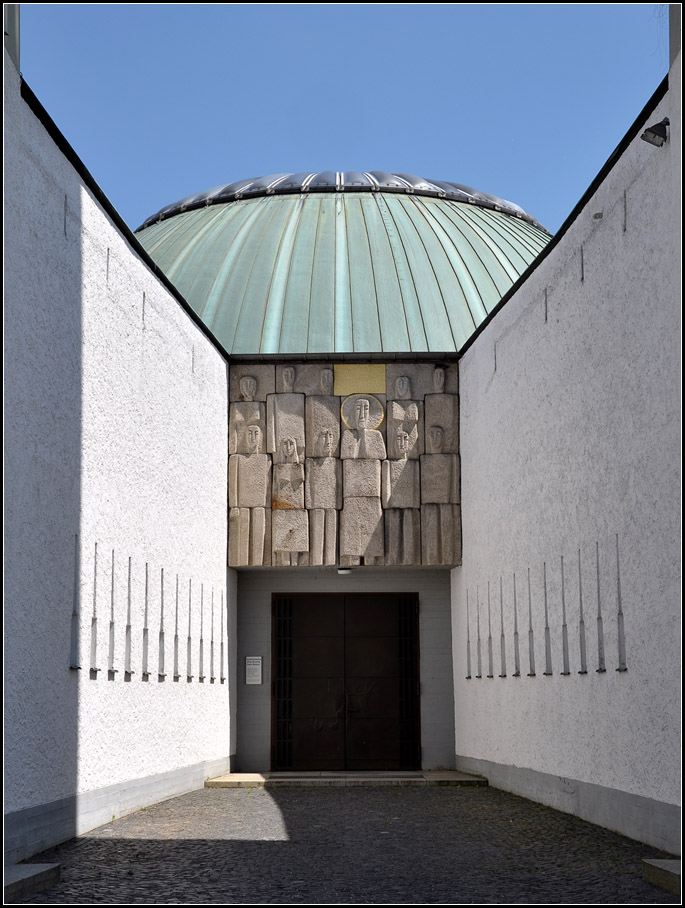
x=350 y=846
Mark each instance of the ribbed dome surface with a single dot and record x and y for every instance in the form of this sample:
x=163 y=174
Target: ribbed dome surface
x=351 y=271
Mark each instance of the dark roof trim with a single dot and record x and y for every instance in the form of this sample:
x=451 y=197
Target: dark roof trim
x=409 y=357
x=611 y=161
x=126 y=232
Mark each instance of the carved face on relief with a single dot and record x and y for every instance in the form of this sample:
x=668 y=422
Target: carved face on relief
x=327 y=381
x=326 y=443
x=435 y=435
x=402 y=443
x=248 y=387
x=289 y=448
x=439 y=379
x=288 y=378
x=402 y=387
x=254 y=439
x=362 y=411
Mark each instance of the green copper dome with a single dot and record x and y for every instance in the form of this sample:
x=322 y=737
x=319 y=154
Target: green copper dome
x=324 y=263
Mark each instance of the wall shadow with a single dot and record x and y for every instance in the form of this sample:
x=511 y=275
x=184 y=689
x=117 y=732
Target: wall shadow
x=43 y=389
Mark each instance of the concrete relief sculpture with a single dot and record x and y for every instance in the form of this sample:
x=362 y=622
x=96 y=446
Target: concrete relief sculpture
x=284 y=419
x=405 y=417
x=353 y=500
x=249 y=495
x=242 y=415
x=362 y=450
x=362 y=415
x=251 y=382
x=289 y=519
x=443 y=410
x=402 y=501
x=440 y=513
x=323 y=498
x=438 y=379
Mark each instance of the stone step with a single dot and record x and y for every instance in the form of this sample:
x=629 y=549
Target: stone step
x=343 y=779
x=23 y=880
x=661 y=872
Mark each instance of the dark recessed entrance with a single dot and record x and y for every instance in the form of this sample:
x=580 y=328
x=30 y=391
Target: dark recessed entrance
x=346 y=682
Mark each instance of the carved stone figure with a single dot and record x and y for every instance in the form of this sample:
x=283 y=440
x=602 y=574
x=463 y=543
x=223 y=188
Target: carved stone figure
x=284 y=419
x=322 y=415
x=440 y=534
x=402 y=388
x=249 y=494
x=402 y=500
x=439 y=379
x=251 y=381
x=362 y=440
x=248 y=387
x=443 y=410
x=241 y=415
x=323 y=498
x=287 y=379
x=290 y=536
x=361 y=520
x=440 y=513
x=326 y=380
x=405 y=416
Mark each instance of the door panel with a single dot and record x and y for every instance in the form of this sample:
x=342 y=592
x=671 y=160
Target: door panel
x=345 y=693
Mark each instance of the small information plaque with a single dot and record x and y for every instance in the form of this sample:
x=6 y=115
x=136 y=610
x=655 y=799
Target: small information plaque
x=253 y=669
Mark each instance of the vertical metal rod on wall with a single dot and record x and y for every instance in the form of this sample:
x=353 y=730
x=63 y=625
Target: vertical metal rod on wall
x=127 y=645
x=176 y=671
x=468 y=640
x=531 y=638
x=564 y=626
x=222 y=673
x=201 y=669
x=622 y=667
x=189 y=648
x=74 y=649
x=479 y=674
x=581 y=624
x=490 y=671
x=517 y=655
x=94 y=620
x=502 y=644
x=548 y=642
x=111 y=671
x=160 y=664
x=146 y=673
x=601 y=663
x=212 y=676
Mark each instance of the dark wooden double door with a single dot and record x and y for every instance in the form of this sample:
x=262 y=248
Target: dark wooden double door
x=345 y=682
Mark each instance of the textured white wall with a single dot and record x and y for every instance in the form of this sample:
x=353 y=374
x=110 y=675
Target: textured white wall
x=570 y=439
x=116 y=432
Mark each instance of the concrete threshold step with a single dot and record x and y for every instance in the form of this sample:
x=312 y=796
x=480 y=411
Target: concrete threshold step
x=343 y=779
x=23 y=880
x=662 y=872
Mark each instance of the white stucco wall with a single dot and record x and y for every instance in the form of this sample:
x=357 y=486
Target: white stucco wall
x=569 y=439
x=116 y=428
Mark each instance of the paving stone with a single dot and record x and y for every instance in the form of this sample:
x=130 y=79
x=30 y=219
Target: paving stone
x=404 y=845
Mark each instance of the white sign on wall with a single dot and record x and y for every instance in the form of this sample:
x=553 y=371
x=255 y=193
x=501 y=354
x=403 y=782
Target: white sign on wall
x=253 y=669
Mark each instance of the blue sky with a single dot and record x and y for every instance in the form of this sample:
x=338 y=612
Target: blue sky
x=524 y=101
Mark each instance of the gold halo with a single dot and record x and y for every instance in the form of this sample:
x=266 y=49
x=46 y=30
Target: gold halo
x=366 y=396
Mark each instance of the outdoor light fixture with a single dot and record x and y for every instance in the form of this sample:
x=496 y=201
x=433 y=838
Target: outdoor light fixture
x=344 y=570
x=657 y=134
